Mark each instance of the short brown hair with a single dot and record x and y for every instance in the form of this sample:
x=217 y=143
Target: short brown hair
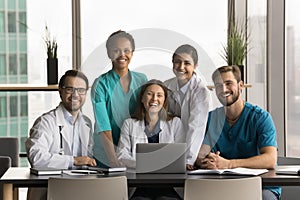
x=73 y=73
x=232 y=68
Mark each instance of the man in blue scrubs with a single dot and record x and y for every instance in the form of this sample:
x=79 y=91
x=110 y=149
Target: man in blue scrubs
x=238 y=134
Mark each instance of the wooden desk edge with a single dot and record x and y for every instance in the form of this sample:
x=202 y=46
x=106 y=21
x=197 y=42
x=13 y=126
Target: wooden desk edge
x=27 y=87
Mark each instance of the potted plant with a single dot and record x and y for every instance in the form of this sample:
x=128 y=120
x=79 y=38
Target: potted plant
x=52 y=62
x=235 y=51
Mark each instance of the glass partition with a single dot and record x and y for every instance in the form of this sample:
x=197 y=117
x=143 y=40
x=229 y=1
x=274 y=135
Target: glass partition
x=292 y=70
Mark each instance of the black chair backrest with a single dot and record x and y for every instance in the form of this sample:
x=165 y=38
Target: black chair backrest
x=5 y=163
x=9 y=146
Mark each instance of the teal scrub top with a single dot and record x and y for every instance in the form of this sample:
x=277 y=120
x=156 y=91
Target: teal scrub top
x=111 y=104
x=253 y=130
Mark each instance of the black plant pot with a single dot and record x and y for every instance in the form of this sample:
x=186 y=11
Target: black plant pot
x=52 y=71
x=241 y=67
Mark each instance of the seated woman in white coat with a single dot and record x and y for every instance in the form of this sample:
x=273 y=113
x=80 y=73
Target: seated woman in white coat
x=151 y=123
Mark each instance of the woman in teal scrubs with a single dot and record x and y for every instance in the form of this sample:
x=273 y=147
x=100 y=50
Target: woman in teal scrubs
x=114 y=96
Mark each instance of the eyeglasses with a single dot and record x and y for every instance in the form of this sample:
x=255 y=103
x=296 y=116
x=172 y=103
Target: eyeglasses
x=71 y=90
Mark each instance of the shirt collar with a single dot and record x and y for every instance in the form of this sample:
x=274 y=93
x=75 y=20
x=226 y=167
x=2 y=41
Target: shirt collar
x=68 y=115
x=184 y=88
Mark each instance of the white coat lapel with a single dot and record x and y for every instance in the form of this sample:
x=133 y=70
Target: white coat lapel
x=66 y=139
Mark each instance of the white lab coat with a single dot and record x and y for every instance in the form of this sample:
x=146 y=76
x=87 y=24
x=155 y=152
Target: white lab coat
x=133 y=132
x=43 y=144
x=193 y=111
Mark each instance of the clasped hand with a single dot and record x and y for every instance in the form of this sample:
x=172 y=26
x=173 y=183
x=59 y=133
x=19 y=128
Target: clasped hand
x=214 y=161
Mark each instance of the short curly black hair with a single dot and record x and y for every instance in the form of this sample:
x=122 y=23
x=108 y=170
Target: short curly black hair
x=119 y=34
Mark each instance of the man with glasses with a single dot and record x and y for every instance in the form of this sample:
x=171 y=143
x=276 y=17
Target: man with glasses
x=62 y=138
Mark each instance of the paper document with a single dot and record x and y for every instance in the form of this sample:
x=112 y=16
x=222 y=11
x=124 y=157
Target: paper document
x=235 y=171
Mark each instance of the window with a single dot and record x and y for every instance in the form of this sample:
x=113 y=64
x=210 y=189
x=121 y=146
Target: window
x=24 y=105
x=11 y=22
x=23 y=64
x=292 y=97
x=2 y=65
x=158 y=31
x=11 y=4
x=3 y=107
x=39 y=14
x=2 y=44
x=2 y=4
x=256 y=58
x=13 y=70
x=13 y=104
x=2 y=22
x=13 y=64
x=12 y=43
x=22 y=22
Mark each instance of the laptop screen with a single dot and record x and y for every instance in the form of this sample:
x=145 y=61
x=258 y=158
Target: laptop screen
x=160 y=158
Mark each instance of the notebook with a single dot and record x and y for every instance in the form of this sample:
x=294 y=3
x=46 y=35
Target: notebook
x=45 y=171
x=160 y=158
x=108 y=170
x=289 y=171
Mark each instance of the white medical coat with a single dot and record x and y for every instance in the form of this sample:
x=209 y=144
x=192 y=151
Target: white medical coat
x=43 y=144
x=133 y=132
x=193 y=112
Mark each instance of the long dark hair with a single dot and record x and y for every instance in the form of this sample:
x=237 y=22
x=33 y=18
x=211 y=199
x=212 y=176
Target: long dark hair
x=140 y=111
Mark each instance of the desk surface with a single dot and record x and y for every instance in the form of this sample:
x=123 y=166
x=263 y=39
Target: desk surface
x=21 y=177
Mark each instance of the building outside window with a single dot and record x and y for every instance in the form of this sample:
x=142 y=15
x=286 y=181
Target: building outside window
x=292 y=77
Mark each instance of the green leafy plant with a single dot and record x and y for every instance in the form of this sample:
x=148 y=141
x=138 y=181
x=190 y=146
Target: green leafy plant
x=237 y=41
x=51 y=44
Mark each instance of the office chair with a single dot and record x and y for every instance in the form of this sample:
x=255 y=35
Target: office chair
x=290 y=192
x=87 y=188
x=225 y=189
x=5 y=163
x=9 y=146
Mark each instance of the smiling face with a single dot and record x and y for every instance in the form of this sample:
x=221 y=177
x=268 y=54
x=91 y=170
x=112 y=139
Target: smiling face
x=228 y=90
x=120 y=53
x=72 y=101
x=153 y=99
x=183 y=67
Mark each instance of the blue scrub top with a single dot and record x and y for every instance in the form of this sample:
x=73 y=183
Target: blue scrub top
x=253 y=130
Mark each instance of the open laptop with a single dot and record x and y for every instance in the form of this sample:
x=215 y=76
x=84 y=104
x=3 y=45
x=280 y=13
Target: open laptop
x=160 y=158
